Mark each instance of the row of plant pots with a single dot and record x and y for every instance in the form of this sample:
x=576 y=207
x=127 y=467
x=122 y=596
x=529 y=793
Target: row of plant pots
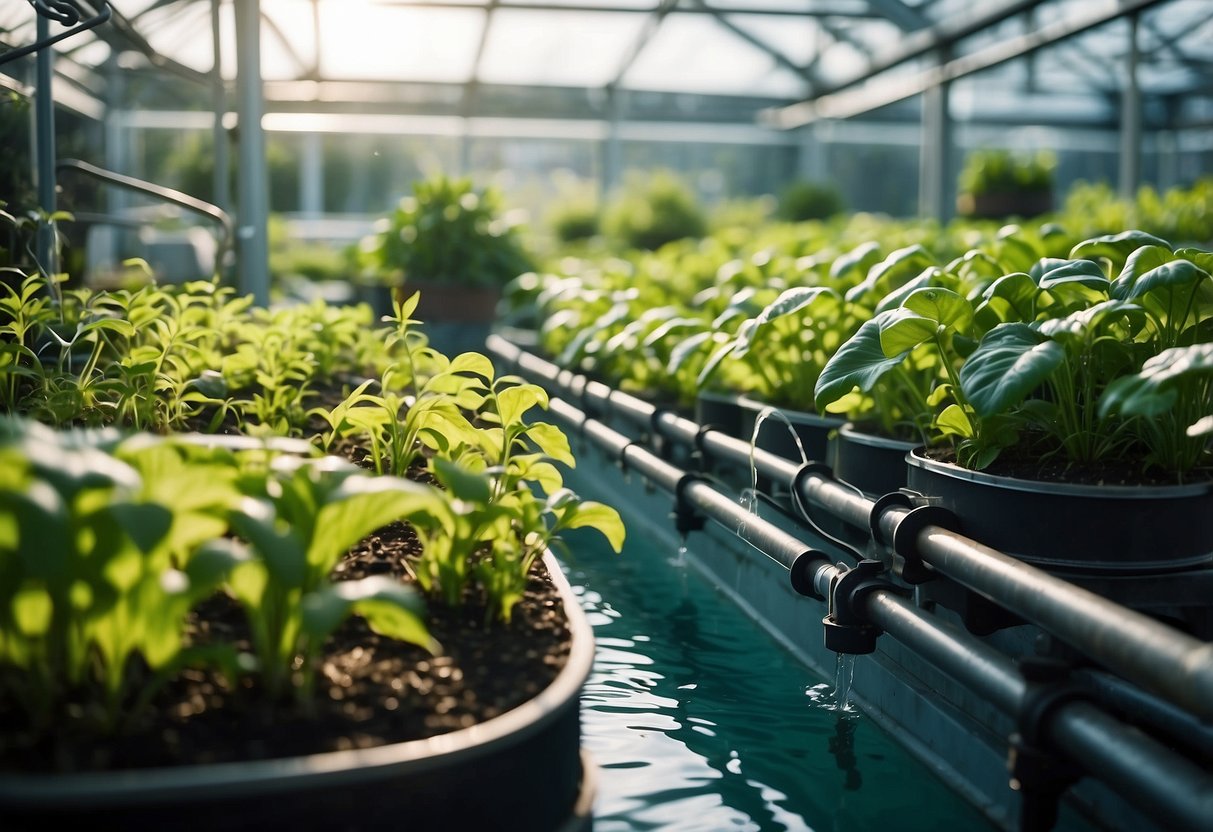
x=1068 y=527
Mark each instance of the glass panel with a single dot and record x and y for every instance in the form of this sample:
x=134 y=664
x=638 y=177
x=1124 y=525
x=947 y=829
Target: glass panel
x=398 y=43
x=561 y=48
x=693 y=53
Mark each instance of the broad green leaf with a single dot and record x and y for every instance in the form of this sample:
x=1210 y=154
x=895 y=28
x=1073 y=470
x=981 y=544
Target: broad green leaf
x=213 y=561
x=147 y=524
x=514 y=402
x=1175 y=274
x=598 y=516
x=859 y=362
x=953 y=421
x=282 y=552
x=390 y=608
x=1011 y=361
x=795 y=299
x=1084 y=272
x=929 y=277
x=947 y=308
x=32 y=610
x=903 y=329
x=472 y=362
x=1156 y=388
x=1141 y=261
x=859 y=259
x=1045 y=265
x=1010 y=298
x=462 y=483
x=1079 y=324
x=899 y=267
x=1116 y=248
x=360 y=506
x=552 y=442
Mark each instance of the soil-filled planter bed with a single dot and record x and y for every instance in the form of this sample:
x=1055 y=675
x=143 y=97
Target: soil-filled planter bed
x=485 y=732
x=1083 y=527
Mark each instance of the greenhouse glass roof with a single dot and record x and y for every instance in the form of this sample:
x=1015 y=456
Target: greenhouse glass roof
x=845 y=56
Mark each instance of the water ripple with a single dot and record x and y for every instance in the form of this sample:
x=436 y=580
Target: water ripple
x=699 y=722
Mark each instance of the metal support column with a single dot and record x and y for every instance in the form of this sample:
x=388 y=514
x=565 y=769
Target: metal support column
x=253 y=210
x=612 y=152
x=44 y=150
x=936 y=191
x=1130 y=118
x=311 y=176
x=222 y=190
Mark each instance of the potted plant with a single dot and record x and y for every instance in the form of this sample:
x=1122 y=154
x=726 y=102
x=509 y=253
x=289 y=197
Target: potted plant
x=452 y=242
x=995 y=184
x=1050 y=382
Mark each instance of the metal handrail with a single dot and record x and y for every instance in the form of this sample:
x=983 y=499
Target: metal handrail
x=169 y=195
x=67 y=13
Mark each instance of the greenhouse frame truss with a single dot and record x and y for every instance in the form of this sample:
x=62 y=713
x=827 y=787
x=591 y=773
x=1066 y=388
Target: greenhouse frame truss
x=788 y=73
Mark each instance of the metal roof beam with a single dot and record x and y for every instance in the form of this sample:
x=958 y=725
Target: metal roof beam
x=646 y=34
x=848 y=103
x=898 y=13
x=783 y=60
x=832 y=8
x=478 y=58
x=927 y=41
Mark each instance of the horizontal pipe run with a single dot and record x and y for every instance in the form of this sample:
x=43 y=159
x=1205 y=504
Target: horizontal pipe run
x=1147 y=652
x=1153 y=655
x=1176 y=793
x=982 y=669
x=1180 y=727
x=1156 y=779
x=1159 y=781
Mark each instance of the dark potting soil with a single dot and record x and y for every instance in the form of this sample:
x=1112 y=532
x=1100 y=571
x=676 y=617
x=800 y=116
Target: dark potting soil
x=1028 y=464
x=369 y=690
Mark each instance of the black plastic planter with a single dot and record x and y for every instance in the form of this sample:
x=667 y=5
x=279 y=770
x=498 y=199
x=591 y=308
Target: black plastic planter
x=1084 y=528
x=521 y=770
x=873 y=464
x=812 y=430
x=722 y=411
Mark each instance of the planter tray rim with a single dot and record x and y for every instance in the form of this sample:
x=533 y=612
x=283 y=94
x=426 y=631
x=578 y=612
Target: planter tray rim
x=1116 y=492
x=171 y=783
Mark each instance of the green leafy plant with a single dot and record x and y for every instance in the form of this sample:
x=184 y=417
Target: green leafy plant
x=651 y=210
x=448 y=231
x=103 y=549
x=297 y=523
x=804 y=200
x=1001 y=173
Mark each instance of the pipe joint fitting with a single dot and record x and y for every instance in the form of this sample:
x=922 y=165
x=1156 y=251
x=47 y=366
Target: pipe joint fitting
x=1038 y=774
x=804 y=567
x=846 y=628
x=686 y=518
x=905 y=539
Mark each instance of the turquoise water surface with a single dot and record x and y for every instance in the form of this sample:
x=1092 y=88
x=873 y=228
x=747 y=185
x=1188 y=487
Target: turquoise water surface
x=699 y=720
